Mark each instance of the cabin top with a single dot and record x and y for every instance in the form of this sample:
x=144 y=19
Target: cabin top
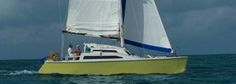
x=91 y=47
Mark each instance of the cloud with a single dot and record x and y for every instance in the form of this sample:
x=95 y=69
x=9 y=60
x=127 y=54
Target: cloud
x=17 y=12
x=29 y=41
x=14 y=36
x=207 y=30
x=180 y=6
x=208 y=19
x=22 y=21
x=30 y=28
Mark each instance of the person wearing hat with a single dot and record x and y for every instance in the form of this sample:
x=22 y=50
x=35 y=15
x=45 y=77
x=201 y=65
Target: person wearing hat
x=77 y=51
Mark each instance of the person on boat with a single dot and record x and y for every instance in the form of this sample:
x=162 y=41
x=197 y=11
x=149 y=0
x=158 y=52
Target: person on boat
x=70 y=50
x=54 y=56
x=77 y=51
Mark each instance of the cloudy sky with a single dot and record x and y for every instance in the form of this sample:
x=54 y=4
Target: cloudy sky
x=29 y=29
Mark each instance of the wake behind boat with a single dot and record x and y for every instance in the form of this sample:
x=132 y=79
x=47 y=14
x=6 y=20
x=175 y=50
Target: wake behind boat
x=134 y=22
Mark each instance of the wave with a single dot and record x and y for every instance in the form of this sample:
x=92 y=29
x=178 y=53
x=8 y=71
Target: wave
x=18 y=72
x=1 y=71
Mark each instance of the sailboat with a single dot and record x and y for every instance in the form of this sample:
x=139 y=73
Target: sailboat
x=131 y=22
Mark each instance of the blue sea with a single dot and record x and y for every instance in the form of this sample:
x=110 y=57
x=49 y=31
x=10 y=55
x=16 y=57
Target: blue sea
x=201 y=69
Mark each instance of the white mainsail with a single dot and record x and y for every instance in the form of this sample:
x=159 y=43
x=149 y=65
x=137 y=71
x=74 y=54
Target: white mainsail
x=99 y=18
x=143 y=26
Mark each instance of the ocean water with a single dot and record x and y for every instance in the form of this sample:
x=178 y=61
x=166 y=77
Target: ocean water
x=201 y=69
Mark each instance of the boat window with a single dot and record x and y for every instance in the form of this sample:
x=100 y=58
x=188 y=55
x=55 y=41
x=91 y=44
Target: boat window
x=101 y=57
x=87 y=49
x=106 y=51
x=72 y=58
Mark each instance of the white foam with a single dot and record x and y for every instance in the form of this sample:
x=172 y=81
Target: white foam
x=2 y=71
x=21 y=72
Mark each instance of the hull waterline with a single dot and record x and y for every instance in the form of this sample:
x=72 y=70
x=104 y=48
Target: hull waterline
x=162 y=66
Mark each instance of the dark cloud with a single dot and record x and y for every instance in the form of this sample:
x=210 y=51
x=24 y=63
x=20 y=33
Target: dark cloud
x=30 y=28
x=28 y=12
x=200 y=27
x=180 y=6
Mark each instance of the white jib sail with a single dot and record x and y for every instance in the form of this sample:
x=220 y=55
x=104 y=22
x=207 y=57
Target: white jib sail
x=94 y=17
x=143 y=26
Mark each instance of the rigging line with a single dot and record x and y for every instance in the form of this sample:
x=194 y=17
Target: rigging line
x=59 y=14
x=61 y=27
x=65 y=15
x=62 y=46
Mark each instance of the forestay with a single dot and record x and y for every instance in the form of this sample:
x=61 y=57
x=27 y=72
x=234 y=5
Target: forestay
x=143 y=26
x=98 y=18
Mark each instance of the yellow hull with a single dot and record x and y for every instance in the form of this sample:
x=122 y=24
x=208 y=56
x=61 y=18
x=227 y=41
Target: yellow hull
x=162 y=66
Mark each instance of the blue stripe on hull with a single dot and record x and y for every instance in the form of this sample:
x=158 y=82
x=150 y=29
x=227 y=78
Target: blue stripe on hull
x=167 y=50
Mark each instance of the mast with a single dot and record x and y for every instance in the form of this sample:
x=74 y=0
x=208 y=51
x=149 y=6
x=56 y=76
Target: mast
x=62 y=45
x=121 y=37
x=121 y=24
